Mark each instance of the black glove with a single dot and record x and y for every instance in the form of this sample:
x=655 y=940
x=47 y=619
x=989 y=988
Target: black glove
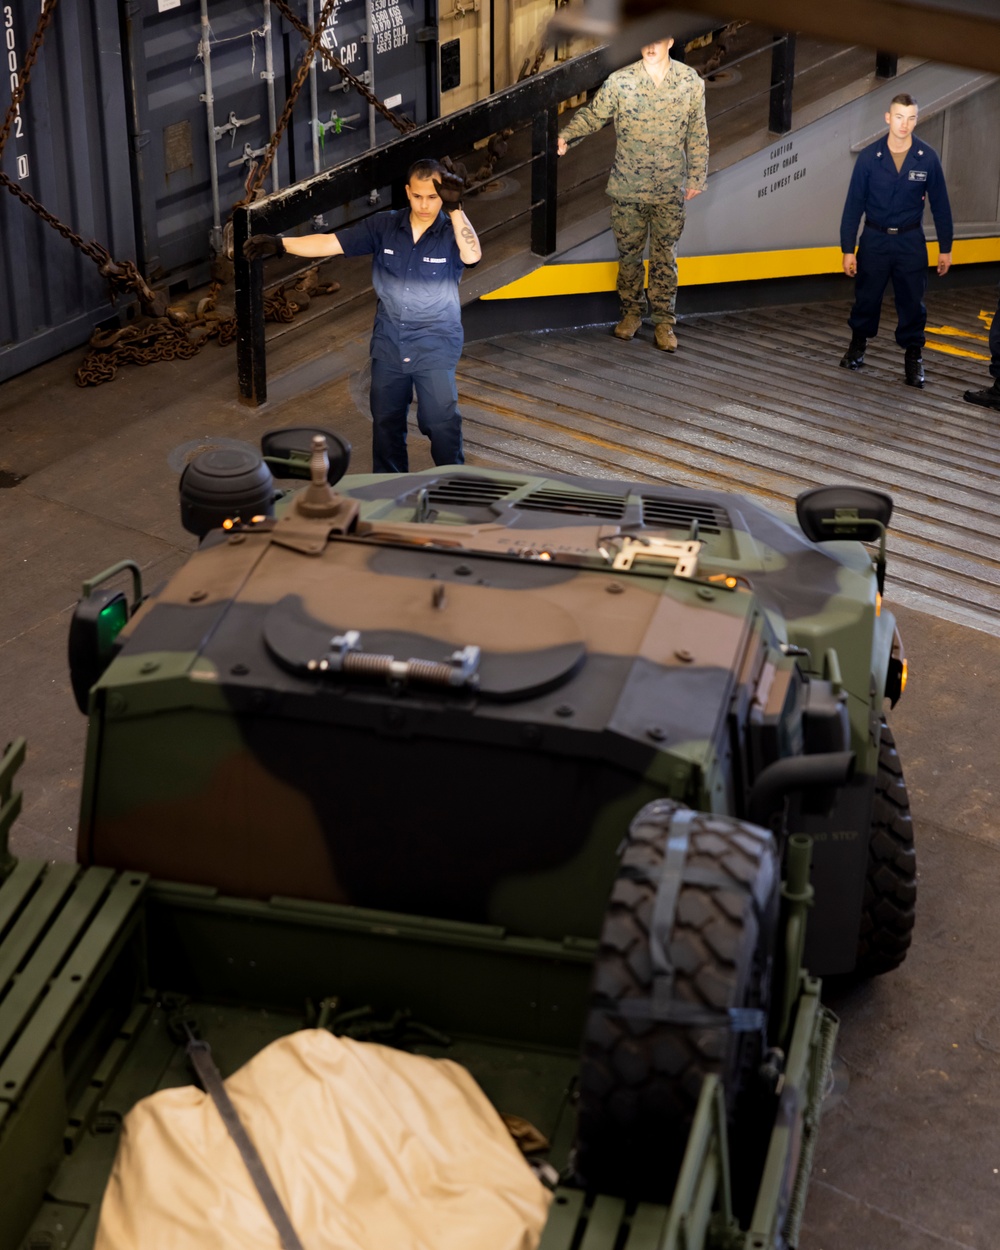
x=450 y=188
x=263 y=247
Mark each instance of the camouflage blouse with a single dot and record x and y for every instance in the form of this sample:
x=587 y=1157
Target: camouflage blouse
x=662 y=134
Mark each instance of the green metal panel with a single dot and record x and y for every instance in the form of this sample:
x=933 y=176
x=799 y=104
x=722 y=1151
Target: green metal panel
x=75 y=977
x=646 y=1227
x=471 y=980
x=33 y=979
x=564 y=1215
x=106 y=1071
x=66 y=931
x=604 y=1223
x=30 y=1149
x=13 y=892
x=33 y=976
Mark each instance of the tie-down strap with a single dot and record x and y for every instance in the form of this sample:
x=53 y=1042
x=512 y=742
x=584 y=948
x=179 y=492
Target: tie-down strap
x=673 y=875
x=200 y=1054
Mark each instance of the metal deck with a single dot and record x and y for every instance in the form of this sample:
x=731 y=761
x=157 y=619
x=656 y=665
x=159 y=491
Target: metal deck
x=755 y=401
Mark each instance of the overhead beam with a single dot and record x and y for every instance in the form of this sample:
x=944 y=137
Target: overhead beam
x=935 y=31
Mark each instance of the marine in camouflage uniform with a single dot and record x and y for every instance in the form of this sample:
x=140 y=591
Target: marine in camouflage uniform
x=658 y=109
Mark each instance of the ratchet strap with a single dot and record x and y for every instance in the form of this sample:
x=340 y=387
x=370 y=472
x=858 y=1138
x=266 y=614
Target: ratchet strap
x=200 y=1054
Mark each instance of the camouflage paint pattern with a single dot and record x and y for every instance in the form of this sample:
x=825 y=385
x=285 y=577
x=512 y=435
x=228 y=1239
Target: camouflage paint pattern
x=220 y=752
x=662 y=134
x=661 y=149
x=662 y=223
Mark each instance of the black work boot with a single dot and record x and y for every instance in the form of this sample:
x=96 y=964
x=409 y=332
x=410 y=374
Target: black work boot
x=990 y=398
x=854 y=357
x=913 y=366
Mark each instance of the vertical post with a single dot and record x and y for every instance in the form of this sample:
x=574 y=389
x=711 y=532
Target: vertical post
x=268 y=76
x=314 y=99
x=370 y=40
x=205 y=50
x=886 y=64
x=782 y=82
x=248 y=277
x=544 y=182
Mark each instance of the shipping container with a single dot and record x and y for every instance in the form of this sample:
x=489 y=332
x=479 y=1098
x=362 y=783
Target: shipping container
x=68 y=148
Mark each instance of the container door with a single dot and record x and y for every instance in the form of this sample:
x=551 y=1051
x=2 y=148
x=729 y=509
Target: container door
x=392 y=48
x=208 y=82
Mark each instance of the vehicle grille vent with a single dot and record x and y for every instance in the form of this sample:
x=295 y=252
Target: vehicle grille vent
x=677 y=514
x=468 y=492
x=574 y=503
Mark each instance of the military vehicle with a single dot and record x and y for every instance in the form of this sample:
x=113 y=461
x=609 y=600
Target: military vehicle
x=524 y=771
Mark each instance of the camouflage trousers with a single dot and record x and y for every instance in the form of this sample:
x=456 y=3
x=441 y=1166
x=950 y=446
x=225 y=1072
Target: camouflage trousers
x=662 y=223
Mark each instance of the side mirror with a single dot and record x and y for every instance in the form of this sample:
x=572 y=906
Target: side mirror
x=98 y=619
x=287 y=452
x=826 y=513
x=833 y=512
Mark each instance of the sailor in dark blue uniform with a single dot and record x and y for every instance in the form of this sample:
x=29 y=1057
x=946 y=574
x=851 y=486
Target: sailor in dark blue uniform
x=892 y=180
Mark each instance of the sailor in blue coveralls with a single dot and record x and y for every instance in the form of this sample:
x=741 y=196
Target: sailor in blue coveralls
x=892 y=180
x=418 y=257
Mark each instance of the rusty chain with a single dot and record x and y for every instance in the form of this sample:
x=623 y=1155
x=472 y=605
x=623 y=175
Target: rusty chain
x=179 y=338
x=402 y=124
x=257 y=175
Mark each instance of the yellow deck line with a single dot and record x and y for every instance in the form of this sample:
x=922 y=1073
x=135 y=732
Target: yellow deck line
x=594 y=276
x=955 y=351
x=955 y=332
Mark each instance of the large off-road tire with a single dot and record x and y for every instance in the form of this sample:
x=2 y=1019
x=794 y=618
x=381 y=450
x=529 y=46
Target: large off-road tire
x=891 y=883
x=640 y=1078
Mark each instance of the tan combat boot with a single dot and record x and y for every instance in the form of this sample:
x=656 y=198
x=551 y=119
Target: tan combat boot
x=666 y=339
x=629 y=326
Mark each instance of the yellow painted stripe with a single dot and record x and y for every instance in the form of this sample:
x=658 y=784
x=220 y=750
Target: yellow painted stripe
x=955 y=351
x=594 y=276
x=955 y=332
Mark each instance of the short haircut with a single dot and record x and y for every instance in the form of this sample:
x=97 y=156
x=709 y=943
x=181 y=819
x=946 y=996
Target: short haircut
x=424 y=169
x=903 y=98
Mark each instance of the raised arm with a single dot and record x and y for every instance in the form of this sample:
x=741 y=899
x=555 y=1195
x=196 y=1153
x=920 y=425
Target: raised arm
x=450 y=187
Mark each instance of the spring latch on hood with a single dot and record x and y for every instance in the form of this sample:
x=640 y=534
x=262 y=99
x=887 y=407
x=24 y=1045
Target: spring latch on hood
x=347 y=657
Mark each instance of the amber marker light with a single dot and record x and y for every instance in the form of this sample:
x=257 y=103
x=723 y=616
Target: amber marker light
x=256 y=520
x=878 y=608
x=227 y=524
x=903 y=677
